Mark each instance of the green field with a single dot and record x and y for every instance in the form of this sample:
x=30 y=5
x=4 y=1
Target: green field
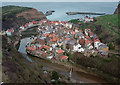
x=13 y=9
x=110 y=22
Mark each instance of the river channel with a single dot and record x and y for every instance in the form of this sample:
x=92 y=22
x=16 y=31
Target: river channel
x=76 y=77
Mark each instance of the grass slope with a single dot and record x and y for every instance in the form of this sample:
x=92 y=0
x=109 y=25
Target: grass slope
x=13 y=9
x=110 y=22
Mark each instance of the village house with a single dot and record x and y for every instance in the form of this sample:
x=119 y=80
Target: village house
x=69 y=25
x=88 y=44
x=88 y=19
x=9 y=32
x=22 y=27
x=96 y=43
x=103 y=49
x=77 y=48
x=63 y=58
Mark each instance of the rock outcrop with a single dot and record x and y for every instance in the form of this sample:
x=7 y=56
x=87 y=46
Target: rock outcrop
x=117 y=11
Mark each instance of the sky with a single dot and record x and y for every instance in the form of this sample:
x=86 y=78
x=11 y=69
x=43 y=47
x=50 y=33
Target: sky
x=59 y=0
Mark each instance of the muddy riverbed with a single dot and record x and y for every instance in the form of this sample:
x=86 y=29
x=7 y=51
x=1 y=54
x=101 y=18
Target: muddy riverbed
x=76 y=77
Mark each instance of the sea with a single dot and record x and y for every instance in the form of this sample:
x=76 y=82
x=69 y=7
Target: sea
x=61 y=8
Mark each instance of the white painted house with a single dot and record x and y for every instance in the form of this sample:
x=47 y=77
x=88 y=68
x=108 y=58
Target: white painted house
x=22 y=27
x=30 y=24
x=96 y=44
x=77 y=48
x=9 y=32
x=68 y=25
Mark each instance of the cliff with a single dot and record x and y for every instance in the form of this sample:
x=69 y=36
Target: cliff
x=31 y=14
x=117 y=11
x=15 y=16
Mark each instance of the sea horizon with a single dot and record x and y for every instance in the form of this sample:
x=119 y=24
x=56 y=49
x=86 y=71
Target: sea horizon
x=61 y=8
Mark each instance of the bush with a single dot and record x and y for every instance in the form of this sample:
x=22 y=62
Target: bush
x=55 y=75
x=41 y=66
x=111 y=47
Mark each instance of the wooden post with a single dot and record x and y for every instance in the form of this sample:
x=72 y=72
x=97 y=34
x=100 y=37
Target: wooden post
x=70 y=74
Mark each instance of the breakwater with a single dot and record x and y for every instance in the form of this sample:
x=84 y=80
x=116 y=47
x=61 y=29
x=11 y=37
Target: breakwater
x=90 y=13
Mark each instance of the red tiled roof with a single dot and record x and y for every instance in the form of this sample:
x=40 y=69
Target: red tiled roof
x=53 y=39
x=73 y=32
x=50 y=35
x=64 y=57
x=57 y=39
x=31 y=48
x=28 y=48
x=81 y=31
x=41 y=47
x=77 y=28
x=87 y=42
x=79 y=23
x=54 y=35
x=10 y=30
x=26 y=25
x=34 y=22
x=87 y=36
x=67 y=38
x=60 y=51
x=46 y=34
x=96 y=40
x=45 y=46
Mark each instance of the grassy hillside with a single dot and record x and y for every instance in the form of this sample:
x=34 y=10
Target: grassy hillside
x=13 y=9
x=10 y=18
x=110 y=22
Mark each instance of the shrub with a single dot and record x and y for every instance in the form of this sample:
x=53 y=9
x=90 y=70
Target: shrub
x=41 y=66
x=55 y=75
